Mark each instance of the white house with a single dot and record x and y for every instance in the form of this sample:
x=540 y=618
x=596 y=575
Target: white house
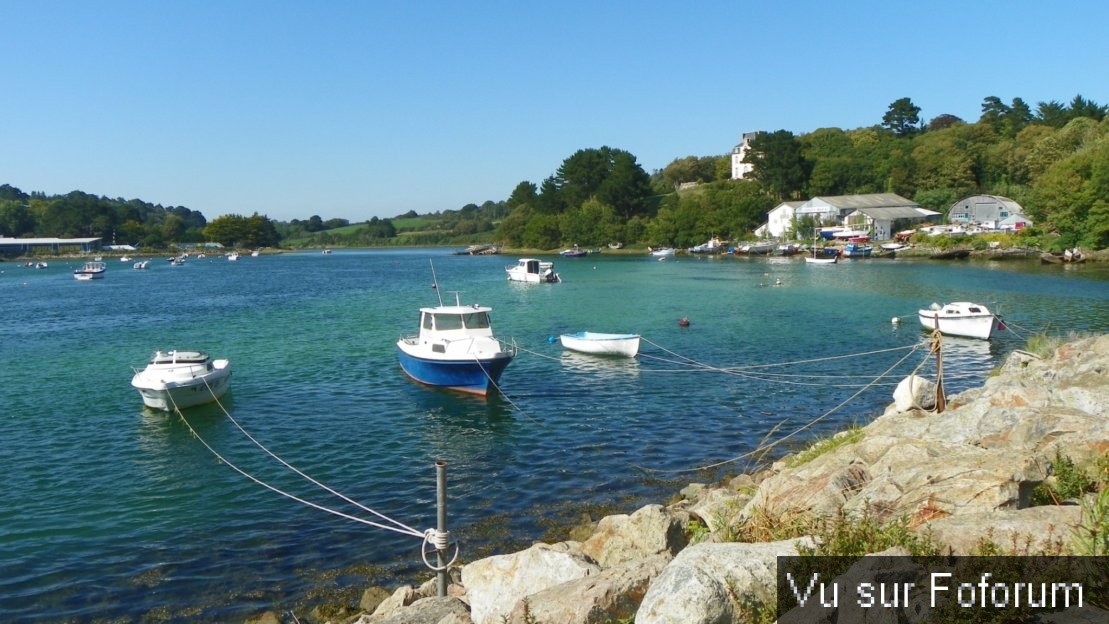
x=779 y=220
x=740 y=169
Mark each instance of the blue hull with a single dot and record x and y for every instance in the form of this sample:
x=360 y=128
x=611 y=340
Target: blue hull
x=463 y=375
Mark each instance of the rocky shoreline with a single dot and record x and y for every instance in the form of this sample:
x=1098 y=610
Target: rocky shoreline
x=968 y=480
x=965 y=478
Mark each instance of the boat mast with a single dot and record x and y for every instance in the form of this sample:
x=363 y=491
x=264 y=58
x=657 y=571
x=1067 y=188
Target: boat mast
x=435 y=282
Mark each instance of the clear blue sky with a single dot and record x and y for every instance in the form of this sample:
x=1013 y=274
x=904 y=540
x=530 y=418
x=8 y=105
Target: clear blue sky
x=356 y=109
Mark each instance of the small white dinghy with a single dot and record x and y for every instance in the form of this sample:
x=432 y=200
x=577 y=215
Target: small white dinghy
x=180 y=379
x=626 y=345
x=961 y=318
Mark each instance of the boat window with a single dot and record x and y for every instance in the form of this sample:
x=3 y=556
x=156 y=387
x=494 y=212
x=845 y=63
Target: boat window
x=427 y=322
x=975 y=309
x=446 y=322
x=476 y=320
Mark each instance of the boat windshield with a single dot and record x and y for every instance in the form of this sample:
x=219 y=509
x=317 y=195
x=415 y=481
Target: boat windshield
x=447 y=322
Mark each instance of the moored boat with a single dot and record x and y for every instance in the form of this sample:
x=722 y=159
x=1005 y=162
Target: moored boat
x=90 y=271
x=455 y=349
x=662 y=251
x=857 y=250
x=960 y=318
x=574 y=252
x=179 y=379
x=532 y=271
x=626 y=345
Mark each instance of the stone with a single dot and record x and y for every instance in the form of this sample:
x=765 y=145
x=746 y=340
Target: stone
x=1019 y=528
x=495 y=584
x=704 y=582
x=611 y=596
x=719 y=508
x=648 y=531
x=372 y=598
x=914 y=392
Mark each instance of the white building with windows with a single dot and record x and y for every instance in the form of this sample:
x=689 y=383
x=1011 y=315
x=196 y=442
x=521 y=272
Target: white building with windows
x=780 y=220
x=740 y=169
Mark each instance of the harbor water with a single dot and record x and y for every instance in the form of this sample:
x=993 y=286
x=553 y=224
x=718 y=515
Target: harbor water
x=114 y=512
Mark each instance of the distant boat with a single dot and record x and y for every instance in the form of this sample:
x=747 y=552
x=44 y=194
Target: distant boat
x=532 y=271
x=662 y=251
x=233 y=256
x=90 y=271
x=821 y=259
x=179 y=379
x=575 y=252
x=141 y=264
x=455 y=349
x=857 y=250
x=626 y=345
x=479 y=250
x=326 y=252
x=960 y=318
x=756 y=249
x=713 y=245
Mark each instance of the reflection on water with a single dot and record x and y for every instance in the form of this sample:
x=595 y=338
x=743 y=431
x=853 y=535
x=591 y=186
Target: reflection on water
x=603 y=366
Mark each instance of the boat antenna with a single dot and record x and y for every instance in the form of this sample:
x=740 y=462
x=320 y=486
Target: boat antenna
x=435 y=282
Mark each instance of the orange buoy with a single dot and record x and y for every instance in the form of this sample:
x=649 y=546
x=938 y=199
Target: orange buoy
x=683 y=322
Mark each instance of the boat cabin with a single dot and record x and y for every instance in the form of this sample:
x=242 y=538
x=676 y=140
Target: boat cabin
x=454 y=322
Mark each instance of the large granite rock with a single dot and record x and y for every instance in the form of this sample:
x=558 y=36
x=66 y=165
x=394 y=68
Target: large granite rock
x=651 y=530
x=611 y=596
x=705 y=583
x=495 y=584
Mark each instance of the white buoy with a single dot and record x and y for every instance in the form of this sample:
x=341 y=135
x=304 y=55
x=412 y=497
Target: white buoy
x=895 y=320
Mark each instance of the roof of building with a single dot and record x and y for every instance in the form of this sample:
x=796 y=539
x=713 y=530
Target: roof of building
x=856 y=202
x=897 y=212
x=47 y=241
x=1007 y=203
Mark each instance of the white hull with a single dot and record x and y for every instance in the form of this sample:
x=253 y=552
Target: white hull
x=663 y=252
x=531 y=271
x=960 y=319
x=626 y=345
x=168 y=385
x=812 y=260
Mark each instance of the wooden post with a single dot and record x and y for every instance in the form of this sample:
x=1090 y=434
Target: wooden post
x=937 y=348
x=441 y=505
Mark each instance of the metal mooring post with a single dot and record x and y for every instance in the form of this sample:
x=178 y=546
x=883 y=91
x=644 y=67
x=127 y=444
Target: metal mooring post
x=441 y=504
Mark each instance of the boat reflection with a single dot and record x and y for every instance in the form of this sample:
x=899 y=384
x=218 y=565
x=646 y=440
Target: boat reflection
x=599 y=365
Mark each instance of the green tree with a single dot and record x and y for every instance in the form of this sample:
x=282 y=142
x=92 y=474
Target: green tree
x=15 y=218
x=902 y=118
x=778 y=163
x=525 y=193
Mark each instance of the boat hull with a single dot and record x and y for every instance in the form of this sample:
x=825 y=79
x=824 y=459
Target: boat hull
x=625 y=345
x=812 y=260
x=473 y=376
x=167 y=396
x=979 y=326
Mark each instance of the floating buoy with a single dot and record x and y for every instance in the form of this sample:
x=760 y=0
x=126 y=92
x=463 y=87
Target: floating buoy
x=434 y=286
x=552 y=339
x=683 y=322
x=895 y=320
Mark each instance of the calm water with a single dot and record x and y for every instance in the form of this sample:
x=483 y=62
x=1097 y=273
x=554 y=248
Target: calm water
x=113 y=512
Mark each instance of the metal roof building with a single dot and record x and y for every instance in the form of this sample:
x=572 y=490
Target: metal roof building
x=56 y=245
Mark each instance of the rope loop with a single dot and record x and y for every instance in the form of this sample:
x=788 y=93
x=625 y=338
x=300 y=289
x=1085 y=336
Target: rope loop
x=441 y=541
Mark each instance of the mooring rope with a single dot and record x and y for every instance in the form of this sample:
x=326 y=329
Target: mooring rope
x=279 y=491
x=340 y=495
x=763 y=449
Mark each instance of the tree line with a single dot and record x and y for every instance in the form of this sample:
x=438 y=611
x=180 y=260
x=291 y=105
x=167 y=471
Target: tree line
x=1053 y=159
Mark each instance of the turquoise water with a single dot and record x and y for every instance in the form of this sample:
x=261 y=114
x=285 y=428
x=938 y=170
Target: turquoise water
x=111 y=511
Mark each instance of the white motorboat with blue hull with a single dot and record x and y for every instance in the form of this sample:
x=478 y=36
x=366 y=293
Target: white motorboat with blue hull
x=455 y=349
